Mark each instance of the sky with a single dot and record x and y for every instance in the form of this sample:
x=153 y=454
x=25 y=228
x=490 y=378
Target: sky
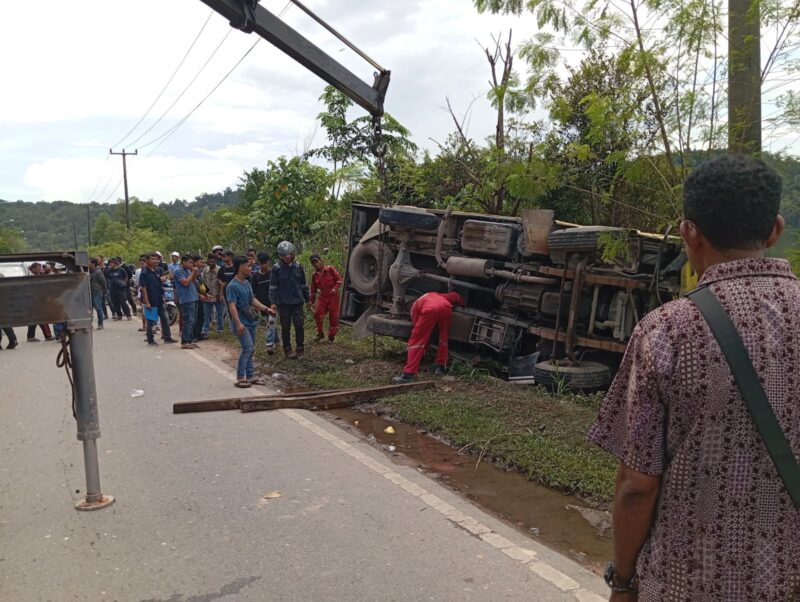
x=78 y=76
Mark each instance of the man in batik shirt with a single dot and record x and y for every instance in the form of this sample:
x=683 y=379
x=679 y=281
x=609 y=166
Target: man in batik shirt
x=700 y=512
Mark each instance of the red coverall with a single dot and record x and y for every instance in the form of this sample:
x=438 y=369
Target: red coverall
x=430 y=310
x=325 y=286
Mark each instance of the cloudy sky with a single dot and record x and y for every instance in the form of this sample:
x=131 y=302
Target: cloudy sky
x=77 y=76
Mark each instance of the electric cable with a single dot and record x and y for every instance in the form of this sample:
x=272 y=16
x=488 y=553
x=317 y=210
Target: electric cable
x=163 y=137
x=99 y=179
x=189 y=85
x=169 y=81
x=114 y=172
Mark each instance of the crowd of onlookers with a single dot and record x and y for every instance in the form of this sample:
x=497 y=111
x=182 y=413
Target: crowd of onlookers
x=209 y=291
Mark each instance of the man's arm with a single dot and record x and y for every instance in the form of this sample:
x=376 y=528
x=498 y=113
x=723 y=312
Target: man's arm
x=313 y=288
x=338 y=280
x=186 y=281
x=145 y=297
x=634 y=509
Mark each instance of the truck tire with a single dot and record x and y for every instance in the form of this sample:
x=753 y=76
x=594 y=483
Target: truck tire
x=388 y=326
x=409 y=217
x=589 y=375
x=363 y=270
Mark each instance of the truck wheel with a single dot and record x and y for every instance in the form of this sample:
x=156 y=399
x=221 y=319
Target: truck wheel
x=409 y=217
x=589 y=375
x=363 y=270
x=389 y=326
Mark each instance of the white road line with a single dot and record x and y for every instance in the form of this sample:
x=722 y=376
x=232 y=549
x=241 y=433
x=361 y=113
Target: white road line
x=522 y=555
x=226 y=373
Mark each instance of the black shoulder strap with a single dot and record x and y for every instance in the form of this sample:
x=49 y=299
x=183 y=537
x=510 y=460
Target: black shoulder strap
x=753 y=393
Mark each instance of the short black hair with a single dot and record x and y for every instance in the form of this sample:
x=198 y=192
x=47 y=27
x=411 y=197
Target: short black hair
x=187 y=258
x=212 y=257
x=262 y=257
x=237 y=262
x=153 y=254
x=251 y=250
x=734 y=201
x=315 y=257
x=228 y=253
x=195 y=256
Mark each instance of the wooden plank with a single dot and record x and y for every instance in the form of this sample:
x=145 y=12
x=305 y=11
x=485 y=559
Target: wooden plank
x=329 y=401
x=233 y=403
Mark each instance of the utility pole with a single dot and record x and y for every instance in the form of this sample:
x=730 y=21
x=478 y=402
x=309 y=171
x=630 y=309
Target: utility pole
x=744 y=76
x=125 y=179
x=88 y=225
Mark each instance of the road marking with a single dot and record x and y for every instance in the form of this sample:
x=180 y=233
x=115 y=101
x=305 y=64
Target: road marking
x=522 y=555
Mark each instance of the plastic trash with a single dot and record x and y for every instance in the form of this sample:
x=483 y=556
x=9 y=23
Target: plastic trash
x=137 y=393
x=389 y=430
x=392 y=448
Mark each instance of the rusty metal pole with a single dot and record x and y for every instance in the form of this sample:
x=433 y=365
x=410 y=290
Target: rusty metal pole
x=80 y=346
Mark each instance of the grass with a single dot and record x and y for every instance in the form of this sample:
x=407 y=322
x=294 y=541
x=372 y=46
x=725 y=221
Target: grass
x=518 y=427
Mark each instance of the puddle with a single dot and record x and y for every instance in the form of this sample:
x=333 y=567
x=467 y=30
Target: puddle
x=559 y=521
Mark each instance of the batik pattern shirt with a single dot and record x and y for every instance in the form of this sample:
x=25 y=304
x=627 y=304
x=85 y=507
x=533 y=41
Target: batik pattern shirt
x=725 y=527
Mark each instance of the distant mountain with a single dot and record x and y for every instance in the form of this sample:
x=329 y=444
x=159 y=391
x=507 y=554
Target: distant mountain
x=60 y=225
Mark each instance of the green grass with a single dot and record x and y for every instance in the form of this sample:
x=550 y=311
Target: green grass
x=540 y=434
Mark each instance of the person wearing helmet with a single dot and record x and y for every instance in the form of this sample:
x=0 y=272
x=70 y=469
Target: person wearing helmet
x=289 y=292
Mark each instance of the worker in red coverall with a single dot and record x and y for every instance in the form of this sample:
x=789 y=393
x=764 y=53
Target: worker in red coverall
x=429 y=311
x=325 y=284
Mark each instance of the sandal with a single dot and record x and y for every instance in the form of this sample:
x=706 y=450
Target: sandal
x=242 y=384
x=256 y=381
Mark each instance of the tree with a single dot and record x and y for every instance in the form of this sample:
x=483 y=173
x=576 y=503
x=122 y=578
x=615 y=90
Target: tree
x=351 y=144
x=11 y=241
x=291 y=202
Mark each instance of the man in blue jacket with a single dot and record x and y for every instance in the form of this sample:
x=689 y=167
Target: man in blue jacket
x=289 y=293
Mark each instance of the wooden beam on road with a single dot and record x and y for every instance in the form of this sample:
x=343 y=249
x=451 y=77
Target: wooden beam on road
x=307 y=400
x=232 y=403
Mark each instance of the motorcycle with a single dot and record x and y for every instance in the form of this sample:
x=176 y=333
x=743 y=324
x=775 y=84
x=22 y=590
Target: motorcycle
x=169 y=302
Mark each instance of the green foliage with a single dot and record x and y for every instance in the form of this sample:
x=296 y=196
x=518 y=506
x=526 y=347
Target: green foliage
x=291 y=203
x=11 y=240
x=129 y=245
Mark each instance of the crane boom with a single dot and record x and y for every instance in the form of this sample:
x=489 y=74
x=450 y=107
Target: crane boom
x=249 y=16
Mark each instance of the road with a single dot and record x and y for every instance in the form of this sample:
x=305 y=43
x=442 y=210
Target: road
x=191 y=523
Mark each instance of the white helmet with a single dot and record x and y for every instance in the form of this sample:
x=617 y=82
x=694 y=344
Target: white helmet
x=285 y=248
x=216 y=248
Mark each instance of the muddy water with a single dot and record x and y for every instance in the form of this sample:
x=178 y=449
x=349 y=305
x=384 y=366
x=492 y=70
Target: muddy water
x=559 y=521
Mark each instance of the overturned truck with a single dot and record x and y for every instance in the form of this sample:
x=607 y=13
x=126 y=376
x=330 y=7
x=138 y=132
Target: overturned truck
x=546 y=301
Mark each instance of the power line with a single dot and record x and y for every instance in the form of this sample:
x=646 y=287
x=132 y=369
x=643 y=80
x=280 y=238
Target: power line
x=113 y=192
x=99 y=179
x=163 y=137
x=189 y=85
x=108 y=181
x=169 y=81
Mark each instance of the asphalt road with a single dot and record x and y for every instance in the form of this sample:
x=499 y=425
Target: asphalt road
x=191 y=523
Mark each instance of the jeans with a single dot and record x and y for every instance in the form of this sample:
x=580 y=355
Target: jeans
x=272 y=331
x=166 y=335
x=12 y=337
x=97 y=305
x=292 y=314
x=119 y=303
x=45 y=331
x=244 y=368
x=219 y=308
x=189 y=315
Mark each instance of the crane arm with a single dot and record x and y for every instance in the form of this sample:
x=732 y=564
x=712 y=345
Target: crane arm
x=249 y=16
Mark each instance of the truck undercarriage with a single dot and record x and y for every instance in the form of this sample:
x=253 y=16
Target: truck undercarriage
x=552 y=303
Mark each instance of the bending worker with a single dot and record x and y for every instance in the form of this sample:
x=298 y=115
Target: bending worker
x=429 y=311
x=325 y=284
